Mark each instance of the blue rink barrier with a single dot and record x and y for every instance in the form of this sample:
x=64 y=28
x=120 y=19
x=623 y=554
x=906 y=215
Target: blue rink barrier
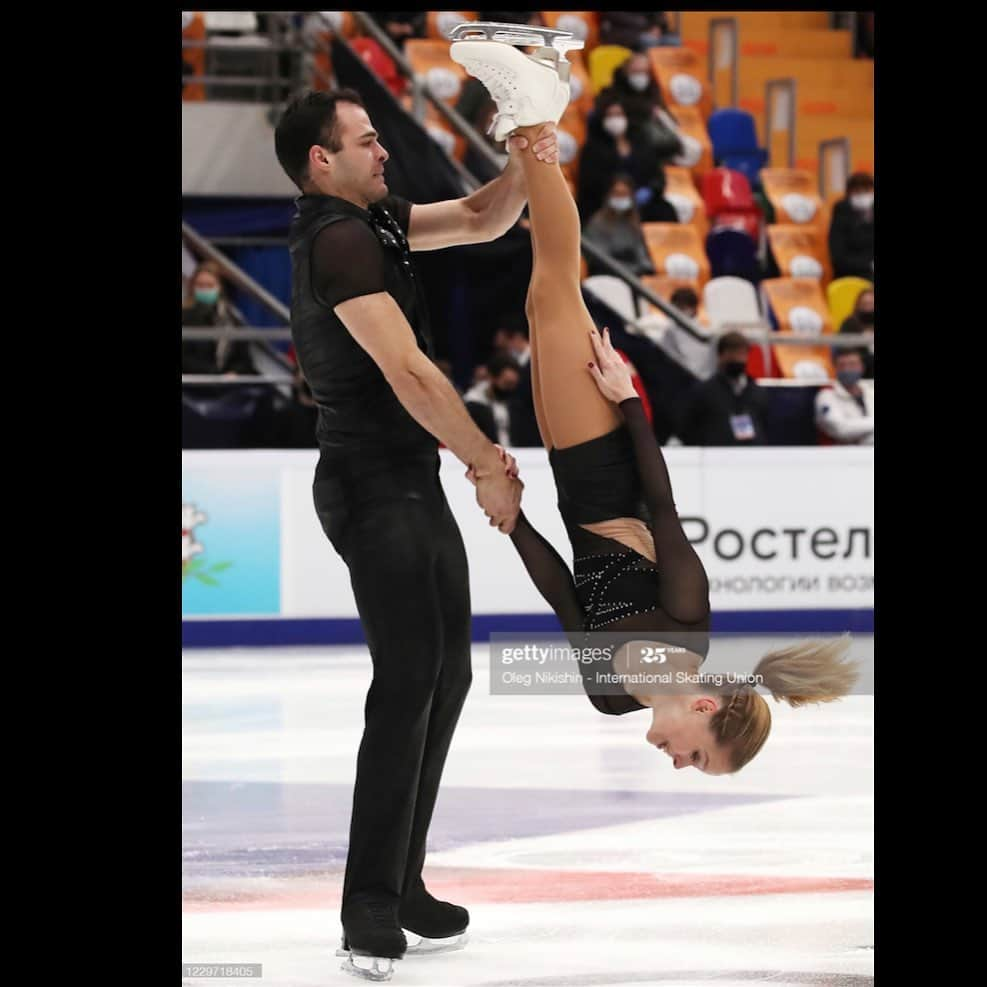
x=287 y=632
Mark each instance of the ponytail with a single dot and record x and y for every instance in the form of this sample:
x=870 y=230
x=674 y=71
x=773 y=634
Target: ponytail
x=808 y=672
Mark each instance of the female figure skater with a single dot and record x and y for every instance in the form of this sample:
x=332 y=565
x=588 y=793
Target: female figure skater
x=634 y=568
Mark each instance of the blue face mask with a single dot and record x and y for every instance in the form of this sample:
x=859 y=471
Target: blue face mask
x=849 y=378
x=207 y=296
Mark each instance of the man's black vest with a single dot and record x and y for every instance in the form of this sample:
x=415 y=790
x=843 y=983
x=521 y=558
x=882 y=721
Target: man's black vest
x=358 y=410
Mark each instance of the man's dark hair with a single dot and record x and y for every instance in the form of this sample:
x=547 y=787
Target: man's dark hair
x=859 y=180
x=849 y=351
x=685 y=298
x=309 y=119
x=732 y=341
x=500 y=362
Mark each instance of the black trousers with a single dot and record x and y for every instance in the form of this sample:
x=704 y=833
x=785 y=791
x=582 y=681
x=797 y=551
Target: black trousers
x=390 y=522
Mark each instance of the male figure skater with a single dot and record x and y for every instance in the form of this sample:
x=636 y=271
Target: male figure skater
x=361 y=332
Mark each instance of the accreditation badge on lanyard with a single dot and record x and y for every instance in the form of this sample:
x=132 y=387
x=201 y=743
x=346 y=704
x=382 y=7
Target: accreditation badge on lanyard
x=743 y=427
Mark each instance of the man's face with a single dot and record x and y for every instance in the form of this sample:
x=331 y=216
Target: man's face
x=358 y=168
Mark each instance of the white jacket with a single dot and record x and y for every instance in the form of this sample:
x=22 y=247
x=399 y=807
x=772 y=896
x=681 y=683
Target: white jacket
x=839 y=415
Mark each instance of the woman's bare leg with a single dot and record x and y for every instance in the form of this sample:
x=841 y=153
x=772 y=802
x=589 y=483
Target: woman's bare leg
x=573 y=407
x=540 y=415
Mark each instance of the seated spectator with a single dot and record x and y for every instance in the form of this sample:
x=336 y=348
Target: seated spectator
x=634 y=29
x=729 y=409
x=488 y=401
x=638 y=92
x=401 y=24
x=851 y=229
x=861 y=320
x=513 y=342
x=616 y=229
x=845 y=411
x=686 y=301
x=205 y=307
x=612 y=146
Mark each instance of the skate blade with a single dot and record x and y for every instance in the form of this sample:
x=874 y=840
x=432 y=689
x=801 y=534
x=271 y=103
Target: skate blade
x=516 y=34
x=376 y=968
x=426 y=946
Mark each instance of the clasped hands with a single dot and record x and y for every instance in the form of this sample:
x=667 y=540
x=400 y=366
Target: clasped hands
x=498 y=489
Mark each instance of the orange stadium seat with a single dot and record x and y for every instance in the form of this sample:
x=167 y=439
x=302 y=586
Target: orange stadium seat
x=584 y=24
x=699 y=149
x=581 y=91
x=681 y=191
x=194 y=29
x=794 y=196
x=430 y=59
x=798 y=306
x=438 y=23
x=677 y=251
x=795 y=248
x=682 y=76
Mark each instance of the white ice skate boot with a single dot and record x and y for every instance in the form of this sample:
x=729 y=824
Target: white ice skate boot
x=527 y=89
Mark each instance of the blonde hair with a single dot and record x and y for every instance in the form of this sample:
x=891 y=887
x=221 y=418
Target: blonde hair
x=808 y=672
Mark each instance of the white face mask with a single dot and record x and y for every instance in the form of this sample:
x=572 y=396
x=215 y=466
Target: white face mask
x=615 y=126
x=862 y=201
x=621 y=203
x=639 y=80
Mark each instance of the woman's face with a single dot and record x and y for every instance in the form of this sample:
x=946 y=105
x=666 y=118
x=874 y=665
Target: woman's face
x=205 y=281
x=638 y=63
x=621 y=190
x=865 y=302
x=680 y=728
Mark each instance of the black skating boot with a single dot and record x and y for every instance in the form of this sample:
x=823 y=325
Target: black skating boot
x=372 y=938
x=441 y=925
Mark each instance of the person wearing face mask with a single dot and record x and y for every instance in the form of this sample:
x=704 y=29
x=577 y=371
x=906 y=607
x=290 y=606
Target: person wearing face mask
x=845 y=411
x=612 y=145
x=861 y=320
x=638 y=92
x=729 y=409
x=489 y=401
x=616 y=229
x=206 y=306
x=633 y=29
x=851 y=230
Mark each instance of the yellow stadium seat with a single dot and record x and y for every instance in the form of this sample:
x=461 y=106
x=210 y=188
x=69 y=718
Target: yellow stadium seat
x=438 y=23
x=790 y=242
x=677 y=251
x=603 y=61
x=842 y=297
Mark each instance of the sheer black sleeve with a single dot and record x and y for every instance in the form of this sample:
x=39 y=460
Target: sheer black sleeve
x=683 y=588
x=347 y=261
x=549 y=573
